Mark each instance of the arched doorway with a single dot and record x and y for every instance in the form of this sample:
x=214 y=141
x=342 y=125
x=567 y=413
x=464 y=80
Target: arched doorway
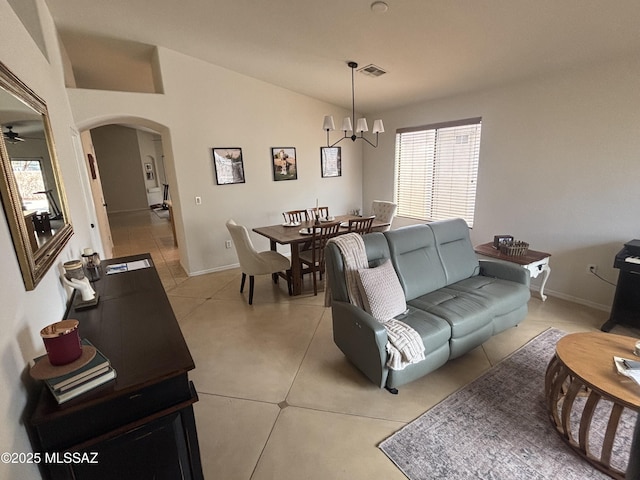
x=146 y=173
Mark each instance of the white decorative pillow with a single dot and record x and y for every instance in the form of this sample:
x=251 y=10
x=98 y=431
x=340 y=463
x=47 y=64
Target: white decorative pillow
x=381 y=291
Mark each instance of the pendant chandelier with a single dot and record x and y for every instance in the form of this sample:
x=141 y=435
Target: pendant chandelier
x=347 y=126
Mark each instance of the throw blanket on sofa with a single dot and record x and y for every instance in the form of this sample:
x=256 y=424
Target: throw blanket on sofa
x=404 y=345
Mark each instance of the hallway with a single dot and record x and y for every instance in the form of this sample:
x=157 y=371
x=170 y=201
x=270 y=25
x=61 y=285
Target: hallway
x=148 y=231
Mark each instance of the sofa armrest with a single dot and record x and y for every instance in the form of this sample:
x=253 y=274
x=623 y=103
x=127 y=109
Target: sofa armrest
x=505 y=271
x=362 y=339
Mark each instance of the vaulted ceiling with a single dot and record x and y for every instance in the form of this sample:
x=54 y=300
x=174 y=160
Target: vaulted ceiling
x=429 y=48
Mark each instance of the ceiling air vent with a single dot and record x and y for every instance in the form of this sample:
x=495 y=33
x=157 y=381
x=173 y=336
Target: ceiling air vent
x=372 y=70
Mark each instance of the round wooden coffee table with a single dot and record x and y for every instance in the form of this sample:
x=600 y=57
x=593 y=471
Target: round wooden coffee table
x=583 y=367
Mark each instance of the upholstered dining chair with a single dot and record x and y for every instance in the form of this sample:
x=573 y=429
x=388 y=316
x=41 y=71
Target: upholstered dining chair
x=361 y=225
x=314 y=257
x=383 y=211
x=295 y=216
x=254 y=263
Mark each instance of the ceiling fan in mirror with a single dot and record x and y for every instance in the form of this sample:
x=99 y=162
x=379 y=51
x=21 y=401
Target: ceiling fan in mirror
x=11 y=136
x=27 y=128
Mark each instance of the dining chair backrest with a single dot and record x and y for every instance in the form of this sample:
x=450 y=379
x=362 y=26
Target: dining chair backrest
x=254 y=263
x=295 y=216
x=319 y=239
x=384 y=212
x=361 y=225
x=314 y=257
x=250 y=262
x=322 y=212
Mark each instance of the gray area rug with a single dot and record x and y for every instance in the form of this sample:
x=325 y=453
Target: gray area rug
x=497 y=427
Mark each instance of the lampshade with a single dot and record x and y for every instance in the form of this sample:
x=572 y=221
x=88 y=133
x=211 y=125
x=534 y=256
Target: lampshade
x=346 y=124
x=328 y=123
x=378 y=126
x=361 y=123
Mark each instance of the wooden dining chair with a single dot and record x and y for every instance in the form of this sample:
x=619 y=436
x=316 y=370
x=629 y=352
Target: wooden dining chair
x=314 y=257
x=295 y=216
x=322 y=212
x=361 y=225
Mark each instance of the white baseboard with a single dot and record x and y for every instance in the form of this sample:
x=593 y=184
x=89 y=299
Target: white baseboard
x=213 y=270
x=222 y=268
x=571 y=298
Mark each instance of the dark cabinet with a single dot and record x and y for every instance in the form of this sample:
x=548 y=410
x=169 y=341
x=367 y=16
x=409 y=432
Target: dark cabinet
x=157 y=450
x=140 y=426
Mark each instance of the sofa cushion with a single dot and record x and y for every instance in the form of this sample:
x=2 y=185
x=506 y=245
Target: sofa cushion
x=381 y=291
x=433 y=330
x=500 y=296
x=464 y=311
x=416 y=260
x=377 y=248
x=458 y=258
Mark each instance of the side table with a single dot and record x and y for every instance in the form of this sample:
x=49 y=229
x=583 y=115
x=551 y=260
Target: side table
x=535 y=262
x=583 y=367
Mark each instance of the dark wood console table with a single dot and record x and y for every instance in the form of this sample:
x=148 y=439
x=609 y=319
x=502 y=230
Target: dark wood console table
x=142 y=424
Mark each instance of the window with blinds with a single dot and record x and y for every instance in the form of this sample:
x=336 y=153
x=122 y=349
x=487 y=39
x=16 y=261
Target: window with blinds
x=436 y=169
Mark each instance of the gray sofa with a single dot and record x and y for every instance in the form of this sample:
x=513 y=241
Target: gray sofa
x=455 y=302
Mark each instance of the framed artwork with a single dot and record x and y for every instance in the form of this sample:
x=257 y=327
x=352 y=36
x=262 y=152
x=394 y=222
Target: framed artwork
x=498 y=239
x=148 y=169
x=331 y=161
x=228 y=165
x=283 y=161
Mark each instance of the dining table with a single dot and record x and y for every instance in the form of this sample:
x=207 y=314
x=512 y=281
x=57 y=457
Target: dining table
x=292 y=235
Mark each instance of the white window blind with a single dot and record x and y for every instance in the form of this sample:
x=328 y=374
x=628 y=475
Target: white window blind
x=436 y=169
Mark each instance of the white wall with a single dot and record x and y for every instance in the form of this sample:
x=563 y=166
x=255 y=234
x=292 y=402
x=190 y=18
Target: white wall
x=118 y=158
x=206 y=106
x=559 y=168
x=24 y=314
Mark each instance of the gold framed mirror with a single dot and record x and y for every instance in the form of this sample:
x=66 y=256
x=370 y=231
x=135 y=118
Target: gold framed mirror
x=32 y=192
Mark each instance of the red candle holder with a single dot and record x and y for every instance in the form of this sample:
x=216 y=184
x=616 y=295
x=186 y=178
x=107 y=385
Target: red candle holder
x=62 y=342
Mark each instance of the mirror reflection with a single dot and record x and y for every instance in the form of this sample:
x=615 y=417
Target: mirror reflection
x=32 y=192
x=26 y=144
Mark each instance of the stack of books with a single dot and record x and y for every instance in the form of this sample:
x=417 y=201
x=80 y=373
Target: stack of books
x=95 y=373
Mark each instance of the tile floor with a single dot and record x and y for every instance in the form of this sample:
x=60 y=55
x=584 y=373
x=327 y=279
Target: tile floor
x=278 y=400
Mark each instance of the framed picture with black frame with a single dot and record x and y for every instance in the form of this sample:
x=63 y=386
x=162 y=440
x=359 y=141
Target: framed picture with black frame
x=228 y=165
x=331 y=161
x=499 y=239
x=283 y=161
